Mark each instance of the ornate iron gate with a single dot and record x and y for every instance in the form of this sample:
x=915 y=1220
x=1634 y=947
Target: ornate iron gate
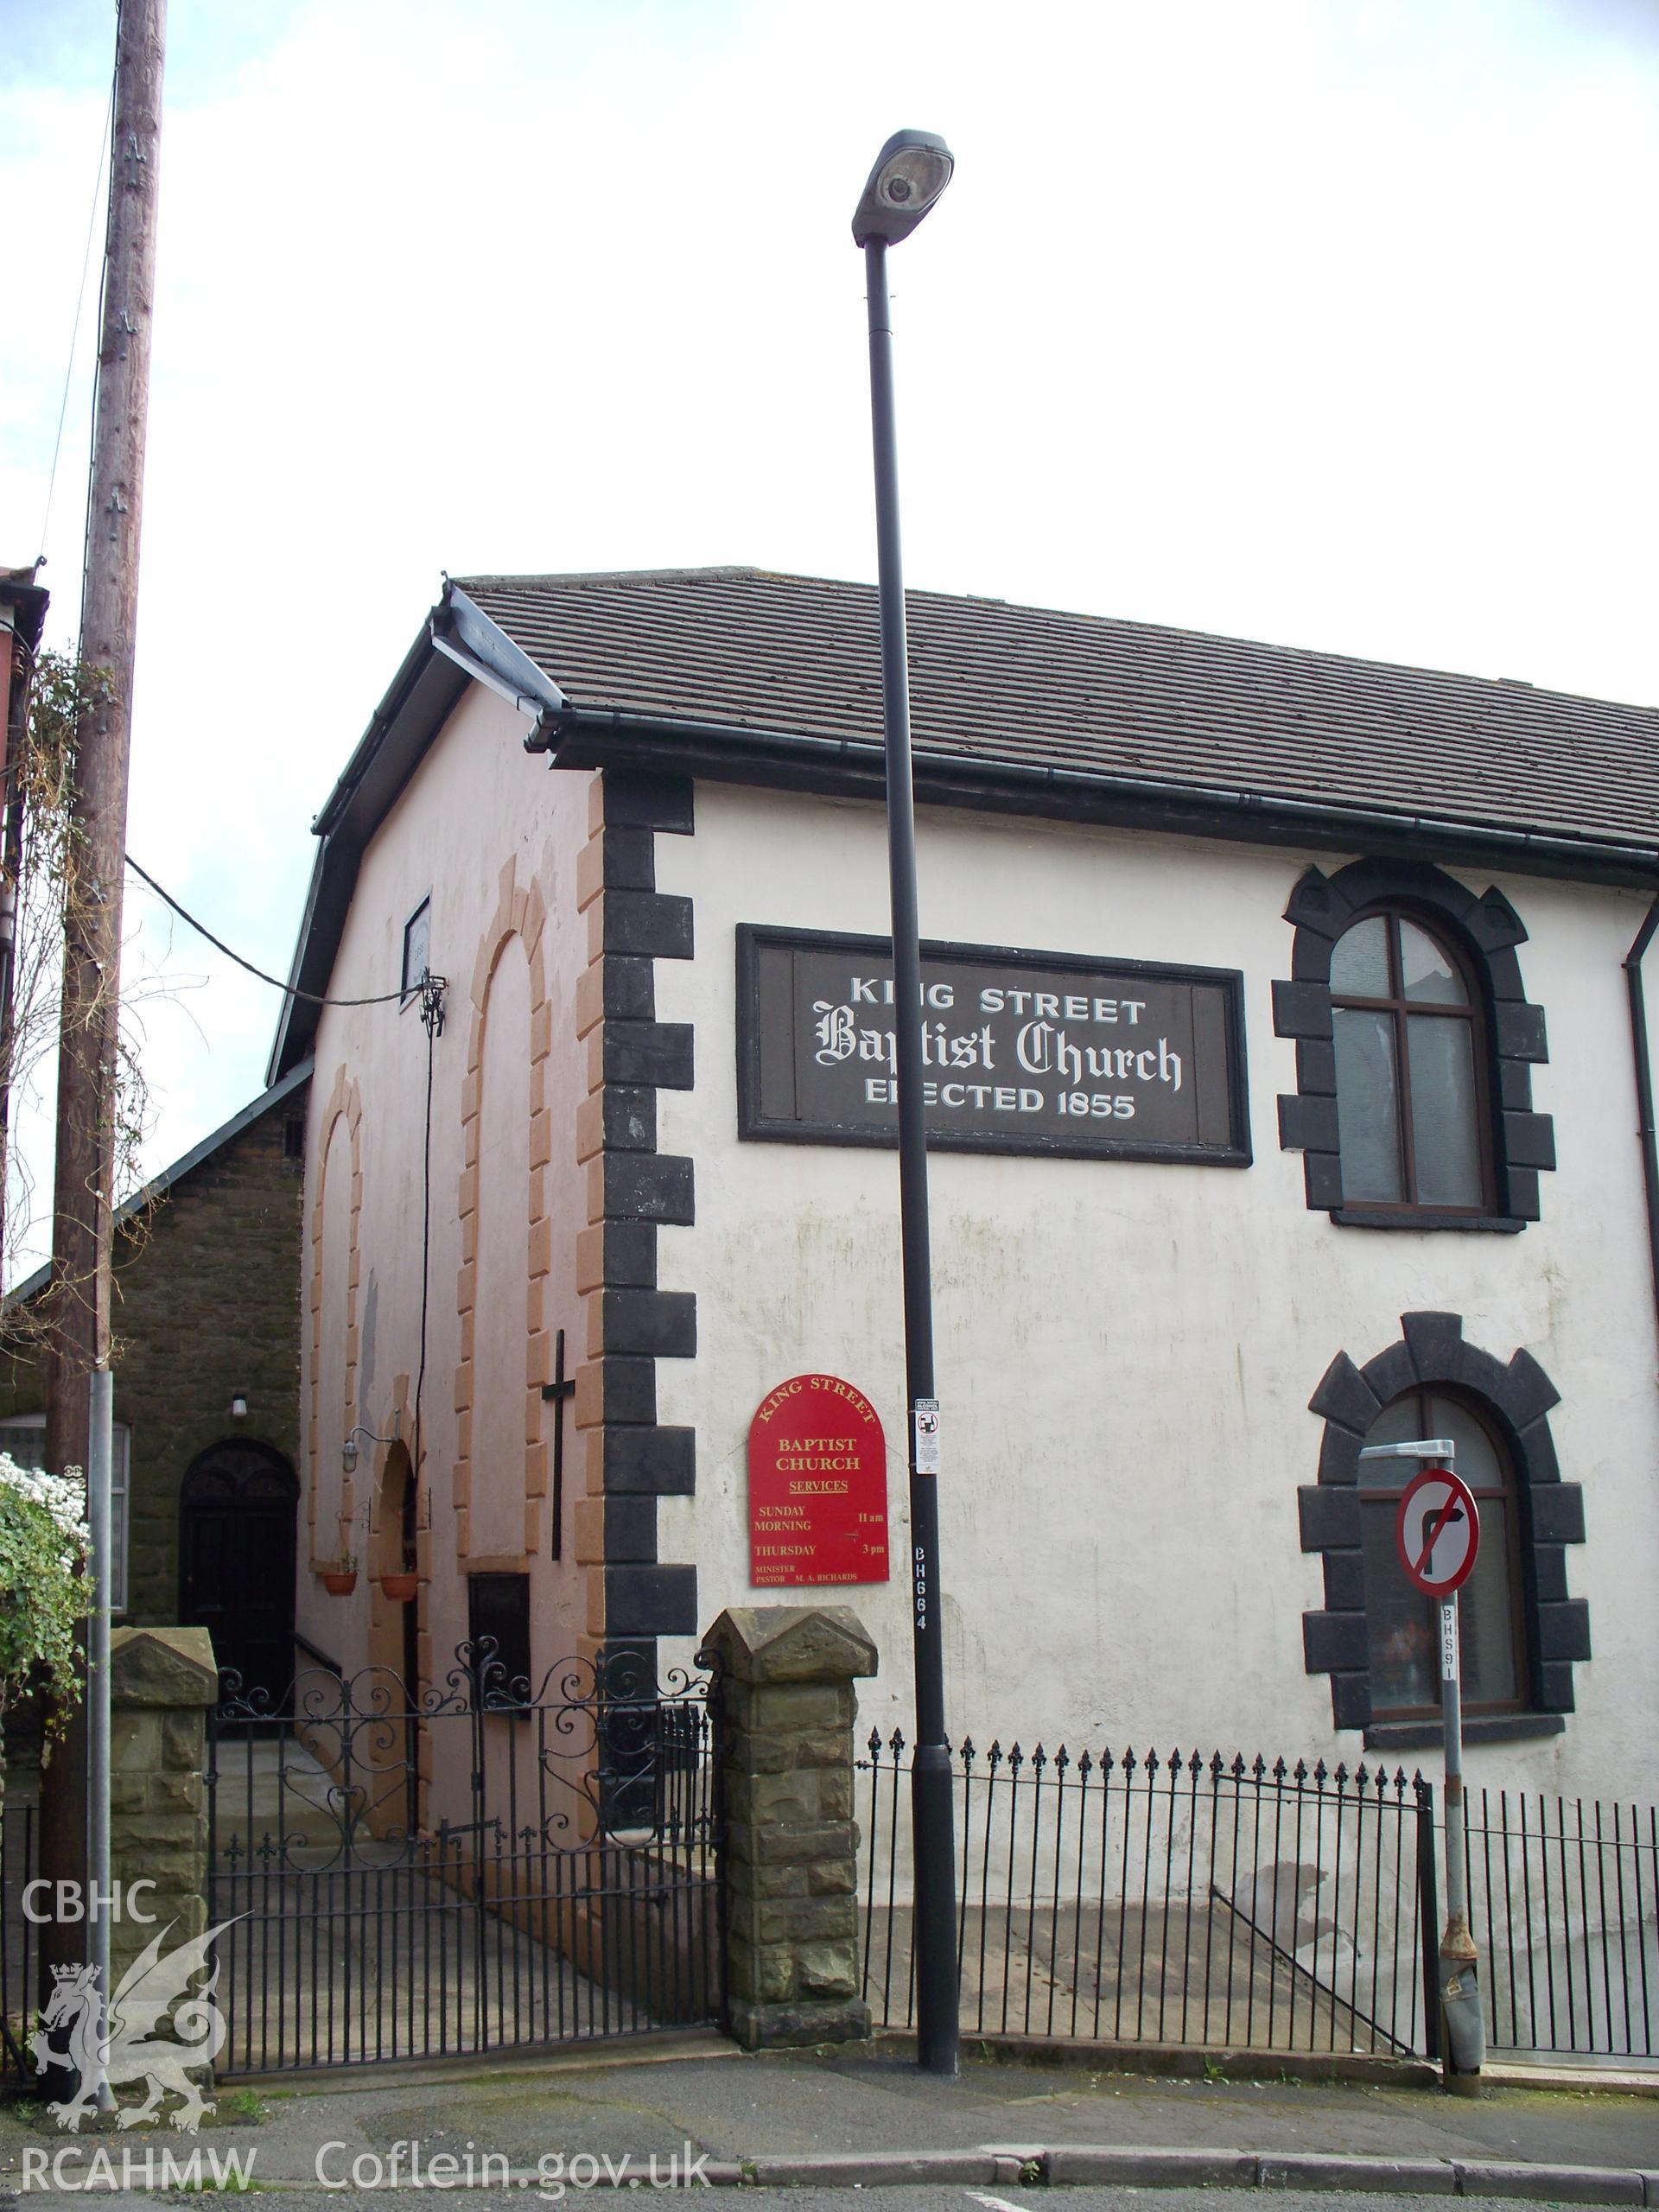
x=19 y=1935
x=476 y=1868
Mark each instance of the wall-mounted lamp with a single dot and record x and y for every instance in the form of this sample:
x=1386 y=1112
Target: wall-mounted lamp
x=239 y=1406
x=348 y=1449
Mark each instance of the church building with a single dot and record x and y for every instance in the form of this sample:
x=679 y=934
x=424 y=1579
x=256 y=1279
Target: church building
x=1287 y=1091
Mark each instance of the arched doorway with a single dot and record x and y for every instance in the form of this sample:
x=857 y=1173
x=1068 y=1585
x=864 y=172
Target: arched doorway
x=394 y=1633
x=237 y=1509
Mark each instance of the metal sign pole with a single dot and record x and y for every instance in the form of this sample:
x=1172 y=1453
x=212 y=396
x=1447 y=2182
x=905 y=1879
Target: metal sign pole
x=99 y=1904
x=1464 y=2043
x=1454 y=1516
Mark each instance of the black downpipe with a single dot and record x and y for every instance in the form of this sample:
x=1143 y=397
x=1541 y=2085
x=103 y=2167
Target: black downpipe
x=1644 y=1086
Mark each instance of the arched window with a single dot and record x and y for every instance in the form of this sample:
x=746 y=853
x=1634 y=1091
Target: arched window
x=1522 y=1631
x=1414 y=1126
x=1415 y=1046
x=1402 y=1624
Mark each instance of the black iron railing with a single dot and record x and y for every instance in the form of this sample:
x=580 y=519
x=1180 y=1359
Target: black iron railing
x=1210 y=1901
x=1563 y=1896
x=1164 y=1898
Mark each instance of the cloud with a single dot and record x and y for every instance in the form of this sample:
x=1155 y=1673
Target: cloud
x=1328 y=324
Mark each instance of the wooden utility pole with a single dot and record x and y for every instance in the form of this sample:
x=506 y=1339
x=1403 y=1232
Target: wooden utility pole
x=83 y=1199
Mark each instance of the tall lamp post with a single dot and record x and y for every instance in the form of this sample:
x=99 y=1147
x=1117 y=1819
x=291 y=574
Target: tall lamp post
x=911 y=171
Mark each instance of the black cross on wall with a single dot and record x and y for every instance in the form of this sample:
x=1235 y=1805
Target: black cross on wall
x=560 y=1388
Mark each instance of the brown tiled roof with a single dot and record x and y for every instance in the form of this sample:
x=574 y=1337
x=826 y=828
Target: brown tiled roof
x=1031 y=687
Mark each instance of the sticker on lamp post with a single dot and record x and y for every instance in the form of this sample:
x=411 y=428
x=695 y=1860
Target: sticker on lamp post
x=924 y=1422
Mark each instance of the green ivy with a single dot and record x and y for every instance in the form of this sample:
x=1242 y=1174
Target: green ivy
x=43 y=1586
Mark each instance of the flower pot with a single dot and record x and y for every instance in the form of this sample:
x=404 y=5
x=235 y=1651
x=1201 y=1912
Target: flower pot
x=400 y=1588
x=339 y=1584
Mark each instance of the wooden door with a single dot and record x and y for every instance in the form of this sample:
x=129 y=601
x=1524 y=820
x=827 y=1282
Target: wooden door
x=237 y=1514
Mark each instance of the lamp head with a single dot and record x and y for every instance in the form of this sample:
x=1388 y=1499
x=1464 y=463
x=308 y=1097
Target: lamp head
x=911 y=171
x=348 y=1455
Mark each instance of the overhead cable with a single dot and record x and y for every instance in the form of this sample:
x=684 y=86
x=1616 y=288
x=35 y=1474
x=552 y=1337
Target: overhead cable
x=288 y=990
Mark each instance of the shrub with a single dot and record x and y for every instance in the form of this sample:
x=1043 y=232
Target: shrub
x=43 y=1586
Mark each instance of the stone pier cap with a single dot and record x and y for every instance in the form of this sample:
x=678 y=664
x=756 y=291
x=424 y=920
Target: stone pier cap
x=162 y=1666
x=789 y=1643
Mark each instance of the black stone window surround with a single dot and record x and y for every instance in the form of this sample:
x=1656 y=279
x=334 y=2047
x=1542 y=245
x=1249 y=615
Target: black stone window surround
x=1486 y=929
x=1517 y=1397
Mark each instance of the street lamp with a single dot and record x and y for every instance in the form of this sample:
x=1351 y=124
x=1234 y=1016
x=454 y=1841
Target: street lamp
x=911 y=171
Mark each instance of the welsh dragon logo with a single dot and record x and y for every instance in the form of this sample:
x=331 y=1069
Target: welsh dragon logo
x=154 y=2030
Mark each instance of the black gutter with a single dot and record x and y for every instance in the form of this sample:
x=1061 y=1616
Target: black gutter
x=1645 y=1131
x=584 y=737
x=380 y=722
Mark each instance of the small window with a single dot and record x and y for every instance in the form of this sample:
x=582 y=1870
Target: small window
x=1402 y=1624
x=498 y=1608
x=1411 y=1112
x=417 y=946
x=24 y=1437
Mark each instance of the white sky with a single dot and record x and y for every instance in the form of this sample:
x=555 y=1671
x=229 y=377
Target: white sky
x=1326 y=321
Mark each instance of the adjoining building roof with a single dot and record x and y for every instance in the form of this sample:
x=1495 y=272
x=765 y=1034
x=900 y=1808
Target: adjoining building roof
x=750 y=676
x=23 y=604
x=159 y=1186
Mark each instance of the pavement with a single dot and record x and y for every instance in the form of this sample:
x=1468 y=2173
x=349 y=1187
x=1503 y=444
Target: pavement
x=871 y=2120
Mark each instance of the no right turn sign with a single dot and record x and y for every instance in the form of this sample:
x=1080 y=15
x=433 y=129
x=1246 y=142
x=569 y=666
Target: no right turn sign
x=1438 y=1531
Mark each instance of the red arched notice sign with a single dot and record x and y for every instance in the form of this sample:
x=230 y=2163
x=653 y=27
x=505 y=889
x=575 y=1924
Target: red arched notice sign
x=817 y=1485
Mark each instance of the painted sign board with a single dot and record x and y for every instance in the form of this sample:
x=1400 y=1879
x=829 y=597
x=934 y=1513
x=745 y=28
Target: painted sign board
x=1436 y=1529
x=1022 y=1052
x=817 y=1485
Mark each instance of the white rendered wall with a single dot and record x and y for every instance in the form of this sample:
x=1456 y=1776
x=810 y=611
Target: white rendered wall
x=1125 y=1352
